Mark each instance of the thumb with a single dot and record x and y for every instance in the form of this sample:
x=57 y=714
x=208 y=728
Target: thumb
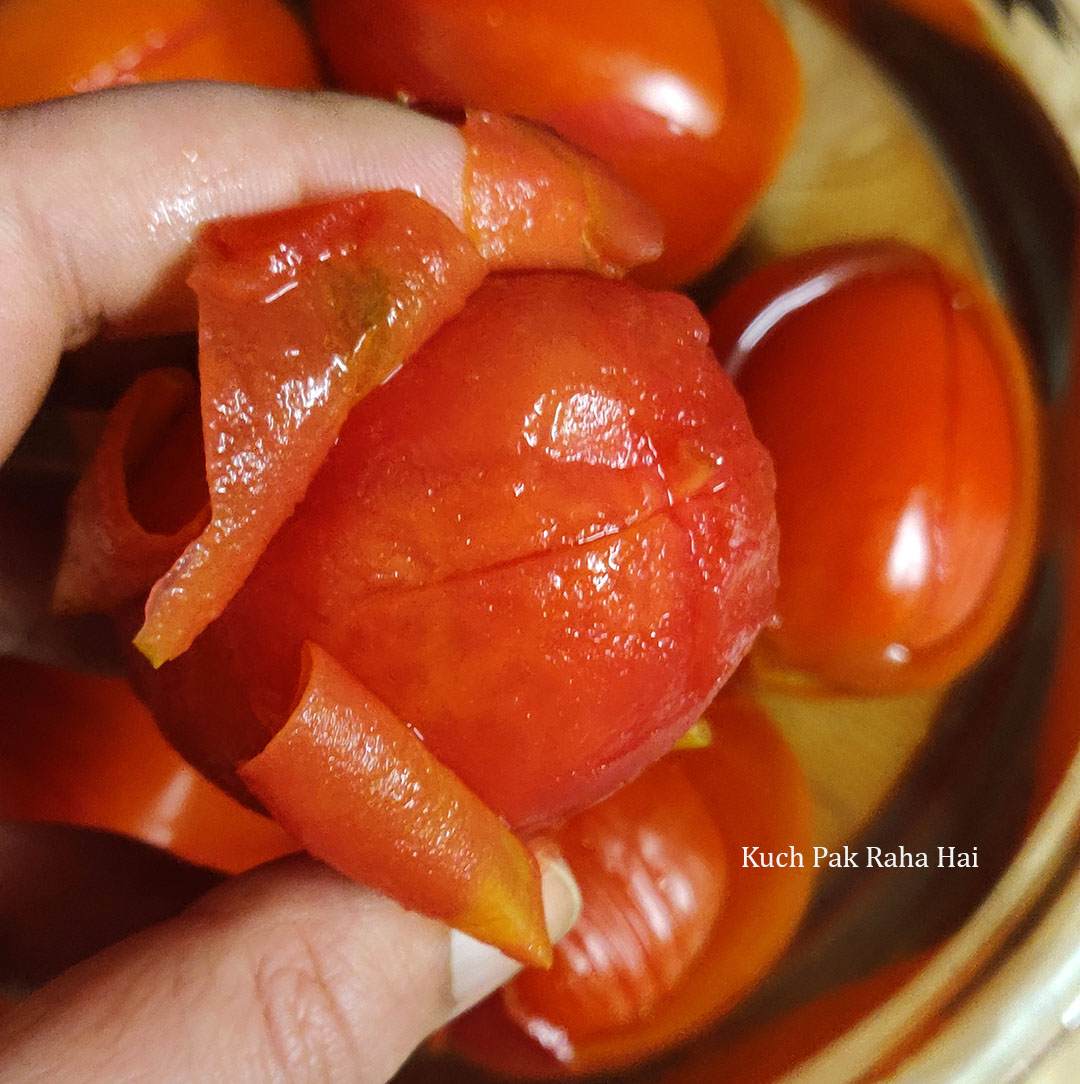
x=289 y=973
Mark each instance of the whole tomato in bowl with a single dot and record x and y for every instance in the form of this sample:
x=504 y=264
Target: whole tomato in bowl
x=691 y=103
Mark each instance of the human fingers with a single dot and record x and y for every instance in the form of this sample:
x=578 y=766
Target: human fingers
x=101 y=196
x=290 y=973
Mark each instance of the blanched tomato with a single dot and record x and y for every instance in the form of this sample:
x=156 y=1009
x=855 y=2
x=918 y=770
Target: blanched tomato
x=79 y=749
x=544 y=542
x=675 y=926
x=898 y=408
x=58 y=47
x=692 y=103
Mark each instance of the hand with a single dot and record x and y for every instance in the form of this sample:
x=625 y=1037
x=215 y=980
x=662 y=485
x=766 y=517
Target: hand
x=291 y=972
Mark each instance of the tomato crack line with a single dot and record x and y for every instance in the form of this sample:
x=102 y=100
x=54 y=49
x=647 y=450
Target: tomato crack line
x=634 y=522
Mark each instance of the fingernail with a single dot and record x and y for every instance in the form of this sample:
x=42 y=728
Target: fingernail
x=561 y=896
x=477 y=969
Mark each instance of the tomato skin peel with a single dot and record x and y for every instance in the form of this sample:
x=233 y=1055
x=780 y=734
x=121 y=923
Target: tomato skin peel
x=116 y=546
x=359 y=790
x=554 y=208
x=270 y=415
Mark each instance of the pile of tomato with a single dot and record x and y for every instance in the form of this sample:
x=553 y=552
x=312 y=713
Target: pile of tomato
x=891 y=394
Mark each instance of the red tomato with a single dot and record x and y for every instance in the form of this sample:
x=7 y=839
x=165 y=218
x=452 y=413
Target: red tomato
x=57 y=47
x=651 y=869
x=692 y=103
x=694 y=813
x=898 y=408
x=80 y=749
x=545 y=542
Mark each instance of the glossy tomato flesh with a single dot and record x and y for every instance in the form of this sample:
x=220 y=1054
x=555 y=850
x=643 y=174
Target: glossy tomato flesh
x=545 y=542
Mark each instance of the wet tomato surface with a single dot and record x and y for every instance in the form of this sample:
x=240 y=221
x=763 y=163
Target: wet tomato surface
x=897 y=405
x=691 y=103
x=57 y=47
x=544 y=536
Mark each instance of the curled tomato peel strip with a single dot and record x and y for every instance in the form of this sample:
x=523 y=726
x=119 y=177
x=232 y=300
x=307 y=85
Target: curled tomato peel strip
x=141 y=500
x=361 y=791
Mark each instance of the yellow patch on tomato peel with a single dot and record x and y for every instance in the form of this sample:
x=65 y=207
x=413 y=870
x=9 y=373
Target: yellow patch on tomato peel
x=699 y=736
x=494 y=914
